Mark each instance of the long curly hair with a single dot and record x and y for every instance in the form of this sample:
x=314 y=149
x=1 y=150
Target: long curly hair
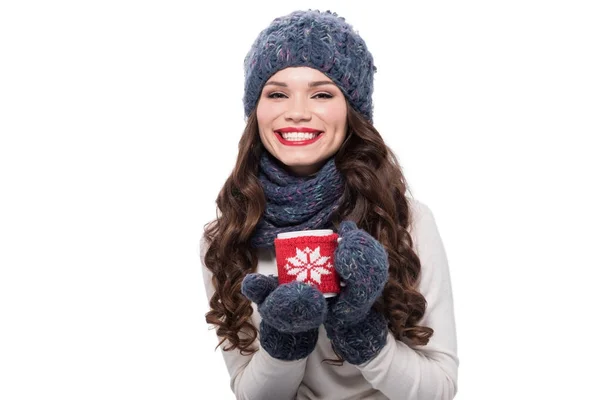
x=374 y=197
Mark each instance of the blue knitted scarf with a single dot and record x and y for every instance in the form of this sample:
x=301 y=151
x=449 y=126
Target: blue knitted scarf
x=296 y=203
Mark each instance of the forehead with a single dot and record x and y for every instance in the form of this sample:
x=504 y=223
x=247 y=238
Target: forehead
x=299 y=75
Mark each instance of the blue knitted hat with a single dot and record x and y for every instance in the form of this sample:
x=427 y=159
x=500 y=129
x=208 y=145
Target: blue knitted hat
x=320 y=40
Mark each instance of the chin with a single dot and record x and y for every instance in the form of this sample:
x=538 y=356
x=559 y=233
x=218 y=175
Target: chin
x=303 y=166
x=300 y=160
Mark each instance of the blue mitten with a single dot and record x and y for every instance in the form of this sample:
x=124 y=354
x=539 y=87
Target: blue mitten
x=291 y=315
x=356 y=330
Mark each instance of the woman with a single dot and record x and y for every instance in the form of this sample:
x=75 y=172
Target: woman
x=310 y=158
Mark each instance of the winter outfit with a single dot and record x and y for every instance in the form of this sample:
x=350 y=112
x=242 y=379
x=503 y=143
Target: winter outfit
x=297 y=326
x=292 y=313
x=399 y=370
x=323 y=41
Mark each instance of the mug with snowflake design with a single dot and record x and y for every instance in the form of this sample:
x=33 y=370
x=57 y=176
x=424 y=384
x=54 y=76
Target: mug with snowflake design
x=307 y=256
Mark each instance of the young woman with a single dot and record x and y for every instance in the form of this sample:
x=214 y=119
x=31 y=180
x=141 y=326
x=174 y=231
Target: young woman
x=310 y=158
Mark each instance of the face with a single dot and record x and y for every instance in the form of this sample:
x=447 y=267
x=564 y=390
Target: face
x=301 y=118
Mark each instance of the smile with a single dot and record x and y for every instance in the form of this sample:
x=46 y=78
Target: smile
x=298 y=138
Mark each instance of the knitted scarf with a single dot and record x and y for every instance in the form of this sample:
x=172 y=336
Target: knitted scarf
x=296 y=203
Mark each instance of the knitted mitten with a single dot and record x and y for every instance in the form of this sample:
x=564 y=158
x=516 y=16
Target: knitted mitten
x=291 y=315
x=358 y=332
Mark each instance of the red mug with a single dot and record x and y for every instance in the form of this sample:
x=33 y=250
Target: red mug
x=307 y=256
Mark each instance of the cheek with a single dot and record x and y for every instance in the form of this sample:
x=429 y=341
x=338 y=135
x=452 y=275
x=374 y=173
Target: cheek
x=262 y=120
x=260 y=115
x=265 y=115
x=334 y=114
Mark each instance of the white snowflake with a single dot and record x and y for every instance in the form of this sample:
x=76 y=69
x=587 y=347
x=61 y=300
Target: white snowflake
x=308 y=265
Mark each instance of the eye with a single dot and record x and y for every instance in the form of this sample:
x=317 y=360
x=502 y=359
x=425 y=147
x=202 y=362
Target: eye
x=322 y=96
x=276 y=95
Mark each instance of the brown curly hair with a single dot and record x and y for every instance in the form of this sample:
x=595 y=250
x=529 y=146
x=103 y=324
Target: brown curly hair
x=374 y=197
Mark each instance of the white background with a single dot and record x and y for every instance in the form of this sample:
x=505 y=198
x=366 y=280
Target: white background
x=119 y=123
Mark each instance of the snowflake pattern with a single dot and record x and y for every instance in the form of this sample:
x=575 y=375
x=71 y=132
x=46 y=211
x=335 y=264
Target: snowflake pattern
x=308 y=265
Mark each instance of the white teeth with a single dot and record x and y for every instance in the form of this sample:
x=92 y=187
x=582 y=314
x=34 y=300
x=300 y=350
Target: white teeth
x=298 y=136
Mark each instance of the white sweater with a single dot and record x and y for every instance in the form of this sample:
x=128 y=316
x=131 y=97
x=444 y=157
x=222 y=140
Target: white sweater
x=400 y=371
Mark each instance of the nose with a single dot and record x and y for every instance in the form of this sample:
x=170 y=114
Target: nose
x=298 y=110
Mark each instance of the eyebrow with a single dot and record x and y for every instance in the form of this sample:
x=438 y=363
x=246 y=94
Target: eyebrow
x=311 y=84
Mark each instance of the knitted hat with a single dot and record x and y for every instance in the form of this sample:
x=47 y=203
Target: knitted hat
x=320 y=40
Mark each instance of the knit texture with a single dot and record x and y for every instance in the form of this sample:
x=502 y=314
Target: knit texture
x=291 y=315
x=356 y=330
x=308 y=259
x=320 y=40
x=360 y=342
x=296 y=203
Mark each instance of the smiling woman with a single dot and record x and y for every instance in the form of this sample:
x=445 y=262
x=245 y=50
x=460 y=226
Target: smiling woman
x=311 y=159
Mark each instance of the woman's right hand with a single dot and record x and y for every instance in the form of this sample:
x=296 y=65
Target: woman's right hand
x=291 y=315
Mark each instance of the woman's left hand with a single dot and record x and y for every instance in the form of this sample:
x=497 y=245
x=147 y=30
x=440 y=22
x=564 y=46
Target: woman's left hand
x=362 y=264
x=356 y=330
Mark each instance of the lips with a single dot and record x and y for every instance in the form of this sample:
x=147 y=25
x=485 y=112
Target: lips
x=298 y=136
